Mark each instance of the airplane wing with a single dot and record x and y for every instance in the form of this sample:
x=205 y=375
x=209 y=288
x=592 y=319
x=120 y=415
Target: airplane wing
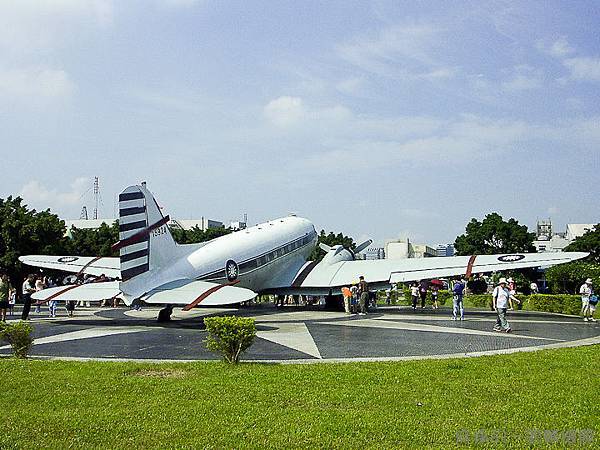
x=313 y=278
x=76 y=264
x=193 y=293
x=181 y=292
x=92 y=292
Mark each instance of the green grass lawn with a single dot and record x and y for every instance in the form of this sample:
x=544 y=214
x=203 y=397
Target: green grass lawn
x=55 y=404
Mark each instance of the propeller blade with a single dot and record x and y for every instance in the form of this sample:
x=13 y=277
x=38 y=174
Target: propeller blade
x=363 y=246
x=324 y=247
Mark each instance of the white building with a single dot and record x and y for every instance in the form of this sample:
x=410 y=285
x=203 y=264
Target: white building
x=405 y=249
x=547 y=241
x=182 y=224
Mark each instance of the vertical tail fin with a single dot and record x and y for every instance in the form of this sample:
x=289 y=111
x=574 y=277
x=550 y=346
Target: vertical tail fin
x=145 y=242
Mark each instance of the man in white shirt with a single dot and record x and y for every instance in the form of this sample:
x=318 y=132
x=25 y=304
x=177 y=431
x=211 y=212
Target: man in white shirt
x=586 y=292
x=500 y=298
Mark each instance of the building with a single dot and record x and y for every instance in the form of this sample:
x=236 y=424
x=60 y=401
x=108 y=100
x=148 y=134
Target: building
x=181 y=224
x=375 y=253
x=445 y=250
x=549 y=241
x=238 y=225
x=187 y=224
x=405 y=249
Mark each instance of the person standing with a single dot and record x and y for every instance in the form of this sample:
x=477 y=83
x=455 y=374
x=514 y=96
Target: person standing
x=512 y=290
x=12 y=299
x=4 y=296
x=500 y=298
x=354 y=300
x=52 y=304
x=534 y=288
x=586 y=292
x=423 y=287
x=457 y=300
x=28 y=288
x=347 y=298
x=363 y=290
x=414 y=295
x=434 y=295
x=39 y=285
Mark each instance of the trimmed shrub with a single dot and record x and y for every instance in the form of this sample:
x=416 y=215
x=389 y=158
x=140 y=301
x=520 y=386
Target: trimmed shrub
x=478 y=301
x=558 y=303
x=230 y=336
x=18 y=335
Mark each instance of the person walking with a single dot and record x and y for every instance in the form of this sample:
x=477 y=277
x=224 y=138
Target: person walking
x=4 y=296
x=28 y=288
x=500 y=298
x=586 y=292
x=363 y=290
x=457 y=300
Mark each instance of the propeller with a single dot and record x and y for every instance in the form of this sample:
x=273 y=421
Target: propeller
x=324 y=247
x=363 y=246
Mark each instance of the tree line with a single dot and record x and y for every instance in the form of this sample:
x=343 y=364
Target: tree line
x=26 y=231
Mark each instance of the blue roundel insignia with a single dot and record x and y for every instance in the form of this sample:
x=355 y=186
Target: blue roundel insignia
x=67 y=259
x=511 y=258
x=231 y=269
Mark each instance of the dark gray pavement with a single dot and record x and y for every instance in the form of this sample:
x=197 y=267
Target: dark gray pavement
x=296 y=334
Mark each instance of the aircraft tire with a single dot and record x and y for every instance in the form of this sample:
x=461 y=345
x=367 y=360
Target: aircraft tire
x=164 y=315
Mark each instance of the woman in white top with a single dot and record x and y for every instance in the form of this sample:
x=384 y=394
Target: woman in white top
x=586 y=292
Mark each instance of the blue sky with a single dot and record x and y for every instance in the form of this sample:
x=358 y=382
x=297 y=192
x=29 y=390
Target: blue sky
x=379 y=119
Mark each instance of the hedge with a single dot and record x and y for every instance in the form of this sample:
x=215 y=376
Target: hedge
x=555 y=303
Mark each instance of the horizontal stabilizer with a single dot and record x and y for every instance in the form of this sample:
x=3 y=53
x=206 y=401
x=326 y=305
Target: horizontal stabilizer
x=186 y=292
x=76 y=264
x=91 y=292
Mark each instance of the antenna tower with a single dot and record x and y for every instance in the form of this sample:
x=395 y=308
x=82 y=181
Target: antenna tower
x=96 y=196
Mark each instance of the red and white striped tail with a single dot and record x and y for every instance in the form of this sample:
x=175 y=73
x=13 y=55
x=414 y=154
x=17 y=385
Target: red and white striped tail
x=145 y=242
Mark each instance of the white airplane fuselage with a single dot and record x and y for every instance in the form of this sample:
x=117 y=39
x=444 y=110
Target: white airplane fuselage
x=266 y=256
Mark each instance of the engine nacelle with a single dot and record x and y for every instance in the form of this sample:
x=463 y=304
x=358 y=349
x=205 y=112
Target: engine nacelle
x=337 y=253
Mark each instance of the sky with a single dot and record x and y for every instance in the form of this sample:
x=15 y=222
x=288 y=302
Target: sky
x=378 y=119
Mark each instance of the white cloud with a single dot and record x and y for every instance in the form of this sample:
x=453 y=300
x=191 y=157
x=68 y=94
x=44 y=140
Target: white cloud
x=285 y=111
x=28 y=26
x=412 y=47
x=584 y=68
x=559 y=48
x=38 y=196
x=522 y=82
x=34 y=86
x=553 y=210
x=178 y=3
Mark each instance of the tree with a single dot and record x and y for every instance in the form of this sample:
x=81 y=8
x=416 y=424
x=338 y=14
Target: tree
x=331 y=239
x=23 y=232
x=494 y=235
x=567 y=278
x=94 y=242
x=196 y=234
x=589 y=242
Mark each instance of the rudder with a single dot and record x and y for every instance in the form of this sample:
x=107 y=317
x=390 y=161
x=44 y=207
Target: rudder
x=145 y=242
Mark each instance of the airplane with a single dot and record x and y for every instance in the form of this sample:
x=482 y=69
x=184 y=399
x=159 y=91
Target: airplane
x=269 y=258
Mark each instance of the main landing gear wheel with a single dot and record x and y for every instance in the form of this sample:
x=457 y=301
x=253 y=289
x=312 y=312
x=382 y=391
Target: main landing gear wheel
x=164 y=315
